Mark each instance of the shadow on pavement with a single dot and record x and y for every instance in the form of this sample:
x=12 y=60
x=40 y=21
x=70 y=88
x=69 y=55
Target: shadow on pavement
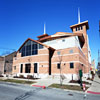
x=27 y=94
x=96 y=82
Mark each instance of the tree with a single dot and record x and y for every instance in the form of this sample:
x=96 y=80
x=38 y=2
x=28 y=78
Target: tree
x=60 y=66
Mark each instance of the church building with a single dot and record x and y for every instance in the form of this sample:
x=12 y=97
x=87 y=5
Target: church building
x=50 y=55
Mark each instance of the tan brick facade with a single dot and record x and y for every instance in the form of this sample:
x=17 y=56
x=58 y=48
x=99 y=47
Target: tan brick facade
x=42 y=59
x=48 y=59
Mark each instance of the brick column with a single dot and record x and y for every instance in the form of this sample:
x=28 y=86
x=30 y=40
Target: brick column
x=23 y=68
x=32 y=68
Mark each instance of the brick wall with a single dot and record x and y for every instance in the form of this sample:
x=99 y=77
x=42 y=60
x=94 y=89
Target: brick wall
x=42 y=59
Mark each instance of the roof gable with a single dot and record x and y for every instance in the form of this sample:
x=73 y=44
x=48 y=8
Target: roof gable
x=29 y=39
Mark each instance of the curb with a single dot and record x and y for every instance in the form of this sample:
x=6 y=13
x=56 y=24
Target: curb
x=43 y=87
x=91 y=92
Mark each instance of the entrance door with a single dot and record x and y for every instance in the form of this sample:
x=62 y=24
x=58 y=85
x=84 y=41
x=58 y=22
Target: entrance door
x=35 y=68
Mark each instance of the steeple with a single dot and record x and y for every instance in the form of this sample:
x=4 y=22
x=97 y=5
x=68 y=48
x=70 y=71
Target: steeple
x=44 y=29
x=40 y=37
x=78 y=16
x=80 y=26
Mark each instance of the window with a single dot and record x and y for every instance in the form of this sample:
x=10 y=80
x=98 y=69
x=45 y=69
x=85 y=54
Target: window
x=81 y=27
x=30 y=48
x=76 y=28
x=71 y=65
x=40 y=46
x=71 y=51
x=21 y=68
x=14 y=67
x=35 y=67
x=63 y=40
x=27 y=68
x=6 y=61
x=58 y=66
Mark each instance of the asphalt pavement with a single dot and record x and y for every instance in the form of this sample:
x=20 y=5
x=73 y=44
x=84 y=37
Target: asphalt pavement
x=9 y=91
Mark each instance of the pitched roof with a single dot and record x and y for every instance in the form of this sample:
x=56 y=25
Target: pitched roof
x=36 y=42
x=41 y=36
x=64 y=34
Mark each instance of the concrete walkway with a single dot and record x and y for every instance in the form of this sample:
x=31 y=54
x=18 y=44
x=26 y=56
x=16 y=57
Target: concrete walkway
x=95 y=87
x=47 y=82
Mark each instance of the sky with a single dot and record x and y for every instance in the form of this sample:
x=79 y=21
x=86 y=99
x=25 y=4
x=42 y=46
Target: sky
x=22 y=19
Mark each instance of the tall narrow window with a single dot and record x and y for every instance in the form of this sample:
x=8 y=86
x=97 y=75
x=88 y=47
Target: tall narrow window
x=76 y=28
x=35 y=67
x=27 y=68
x=81 y=27
x=21 y=68
x=58 y=66
x=71 y=65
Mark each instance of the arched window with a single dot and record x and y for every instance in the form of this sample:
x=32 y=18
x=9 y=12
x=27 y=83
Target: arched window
x=30 y=48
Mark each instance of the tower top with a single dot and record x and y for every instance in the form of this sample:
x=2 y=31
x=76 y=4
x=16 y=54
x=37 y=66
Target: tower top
x=44 y=29
x=79 y=24
x=78 y=15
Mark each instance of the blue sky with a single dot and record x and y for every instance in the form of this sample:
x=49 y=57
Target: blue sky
x=21 y=19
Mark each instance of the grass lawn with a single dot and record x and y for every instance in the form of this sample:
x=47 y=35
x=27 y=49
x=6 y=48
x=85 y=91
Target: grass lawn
x=69 y=87
x=75 y=81
x=17 y=81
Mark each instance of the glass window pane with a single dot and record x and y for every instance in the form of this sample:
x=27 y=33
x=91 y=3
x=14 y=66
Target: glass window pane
x=71 y=65
x=40 y=46
x=30 y=48
x=21 y=69
x=58 y=66
x=35 y=46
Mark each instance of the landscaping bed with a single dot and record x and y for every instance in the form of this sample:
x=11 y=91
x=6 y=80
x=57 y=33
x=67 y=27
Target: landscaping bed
x=69 y=87
x=1 y=75
x=28 y=77
x=17 y=81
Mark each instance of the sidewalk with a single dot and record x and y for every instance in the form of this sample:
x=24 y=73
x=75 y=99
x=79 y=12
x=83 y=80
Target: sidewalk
x=47 y=82
x=95 y=87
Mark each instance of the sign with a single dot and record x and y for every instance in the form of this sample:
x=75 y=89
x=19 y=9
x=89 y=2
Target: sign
x=80 y=73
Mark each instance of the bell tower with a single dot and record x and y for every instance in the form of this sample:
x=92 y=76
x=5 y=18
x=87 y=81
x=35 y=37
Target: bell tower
x=82 y=27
